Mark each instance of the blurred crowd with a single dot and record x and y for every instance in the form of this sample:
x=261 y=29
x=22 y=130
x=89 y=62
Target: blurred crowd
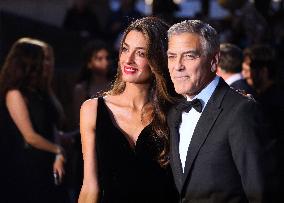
x=42 y=156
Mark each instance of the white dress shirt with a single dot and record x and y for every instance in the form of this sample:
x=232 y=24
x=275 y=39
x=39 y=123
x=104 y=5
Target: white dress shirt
x=190 y=119
x=233 y=78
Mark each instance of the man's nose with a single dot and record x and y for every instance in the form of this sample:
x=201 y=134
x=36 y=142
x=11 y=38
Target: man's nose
x=179 y=65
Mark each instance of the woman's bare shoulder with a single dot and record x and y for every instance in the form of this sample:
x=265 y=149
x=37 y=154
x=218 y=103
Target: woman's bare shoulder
x=14 y=93
x=15 y=97
x=88 y=112
x=90 y=105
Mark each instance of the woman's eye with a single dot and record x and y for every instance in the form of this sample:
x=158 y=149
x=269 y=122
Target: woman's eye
x=141 y=53
x=171 y=56
x=124 y=49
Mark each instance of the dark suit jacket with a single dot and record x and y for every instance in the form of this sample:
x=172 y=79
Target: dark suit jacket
x=243 y=85
x=229 y=158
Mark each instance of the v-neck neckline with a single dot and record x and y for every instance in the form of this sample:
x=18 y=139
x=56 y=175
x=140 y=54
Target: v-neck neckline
x=124 y=135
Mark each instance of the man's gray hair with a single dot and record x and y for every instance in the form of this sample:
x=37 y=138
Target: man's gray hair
x=209 y=37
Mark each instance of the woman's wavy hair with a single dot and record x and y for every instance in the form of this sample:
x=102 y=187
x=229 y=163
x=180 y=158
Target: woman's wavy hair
x=28 y=67
x=23 y=67
x=161 y=90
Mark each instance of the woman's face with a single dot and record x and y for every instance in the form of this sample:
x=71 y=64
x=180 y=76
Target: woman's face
x=246 y=71
x=133 y=60
x=99 y=62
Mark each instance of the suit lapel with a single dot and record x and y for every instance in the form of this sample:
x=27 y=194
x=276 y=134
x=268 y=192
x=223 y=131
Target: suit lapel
x=174 y=122
x=204 y=125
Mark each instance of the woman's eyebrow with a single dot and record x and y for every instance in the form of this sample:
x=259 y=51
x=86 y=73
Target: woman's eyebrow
x=144 y=48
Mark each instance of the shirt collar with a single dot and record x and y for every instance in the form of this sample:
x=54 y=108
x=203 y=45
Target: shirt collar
x=234 y=78
x=206 y=93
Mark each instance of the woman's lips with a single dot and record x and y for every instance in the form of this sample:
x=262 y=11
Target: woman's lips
x=129 y=70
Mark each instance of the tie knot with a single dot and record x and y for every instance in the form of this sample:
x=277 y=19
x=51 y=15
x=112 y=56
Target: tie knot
x=187 y=105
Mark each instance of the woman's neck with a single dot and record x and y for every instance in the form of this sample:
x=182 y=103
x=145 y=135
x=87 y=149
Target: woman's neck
x=137 y=95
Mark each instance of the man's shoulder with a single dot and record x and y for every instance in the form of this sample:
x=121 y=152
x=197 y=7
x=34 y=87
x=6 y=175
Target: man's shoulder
x=239 y=109
x=242 y=85
x=235 y=98
x=238 y=83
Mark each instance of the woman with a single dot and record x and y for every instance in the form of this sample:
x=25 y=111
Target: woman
x=29 y=113
x=246 y=70
x=94 y=78
x=94 y=74
x=124 y=134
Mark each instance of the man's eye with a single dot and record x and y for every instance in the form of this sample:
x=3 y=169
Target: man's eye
x=190 y=56
x=171 y=56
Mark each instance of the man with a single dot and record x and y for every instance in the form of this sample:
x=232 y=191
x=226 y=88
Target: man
x=230 y=67
x=219 y=150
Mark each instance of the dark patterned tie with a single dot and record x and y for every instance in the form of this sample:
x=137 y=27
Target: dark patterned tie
x=187 y=105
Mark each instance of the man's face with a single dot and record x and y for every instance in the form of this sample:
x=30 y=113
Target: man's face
x=189 y=68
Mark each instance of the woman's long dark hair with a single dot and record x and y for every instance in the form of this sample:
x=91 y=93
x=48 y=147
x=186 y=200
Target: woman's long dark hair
x=26 y=69
x=161 y=89
x=92 y=48
x=23 y=67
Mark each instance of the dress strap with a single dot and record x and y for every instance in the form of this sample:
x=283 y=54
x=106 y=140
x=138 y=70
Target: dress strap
x=103 y=116
x=100 y=101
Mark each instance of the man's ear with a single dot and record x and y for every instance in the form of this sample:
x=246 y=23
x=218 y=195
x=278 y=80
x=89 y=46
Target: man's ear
x=216 y=58
x=215 y=61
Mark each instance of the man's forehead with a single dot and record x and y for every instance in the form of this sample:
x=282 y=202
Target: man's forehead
x=183 y=36
x=184 y=39
x=184 y=45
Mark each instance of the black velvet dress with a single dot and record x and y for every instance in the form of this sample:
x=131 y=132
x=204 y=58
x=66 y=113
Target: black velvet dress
x=128 y=175
x=27 y=172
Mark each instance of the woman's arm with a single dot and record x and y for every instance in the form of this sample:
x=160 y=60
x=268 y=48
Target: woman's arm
x=19 y=112
x=88 y=115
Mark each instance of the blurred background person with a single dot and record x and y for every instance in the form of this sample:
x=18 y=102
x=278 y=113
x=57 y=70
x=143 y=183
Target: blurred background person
x=82 y=19
x=247 y=25
x=269 y=94
x=29 y=114
x=165 y=9
x=246 y=70
x=230 y=67
x=120 y=19
x=94 y=79
x=95 y=74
